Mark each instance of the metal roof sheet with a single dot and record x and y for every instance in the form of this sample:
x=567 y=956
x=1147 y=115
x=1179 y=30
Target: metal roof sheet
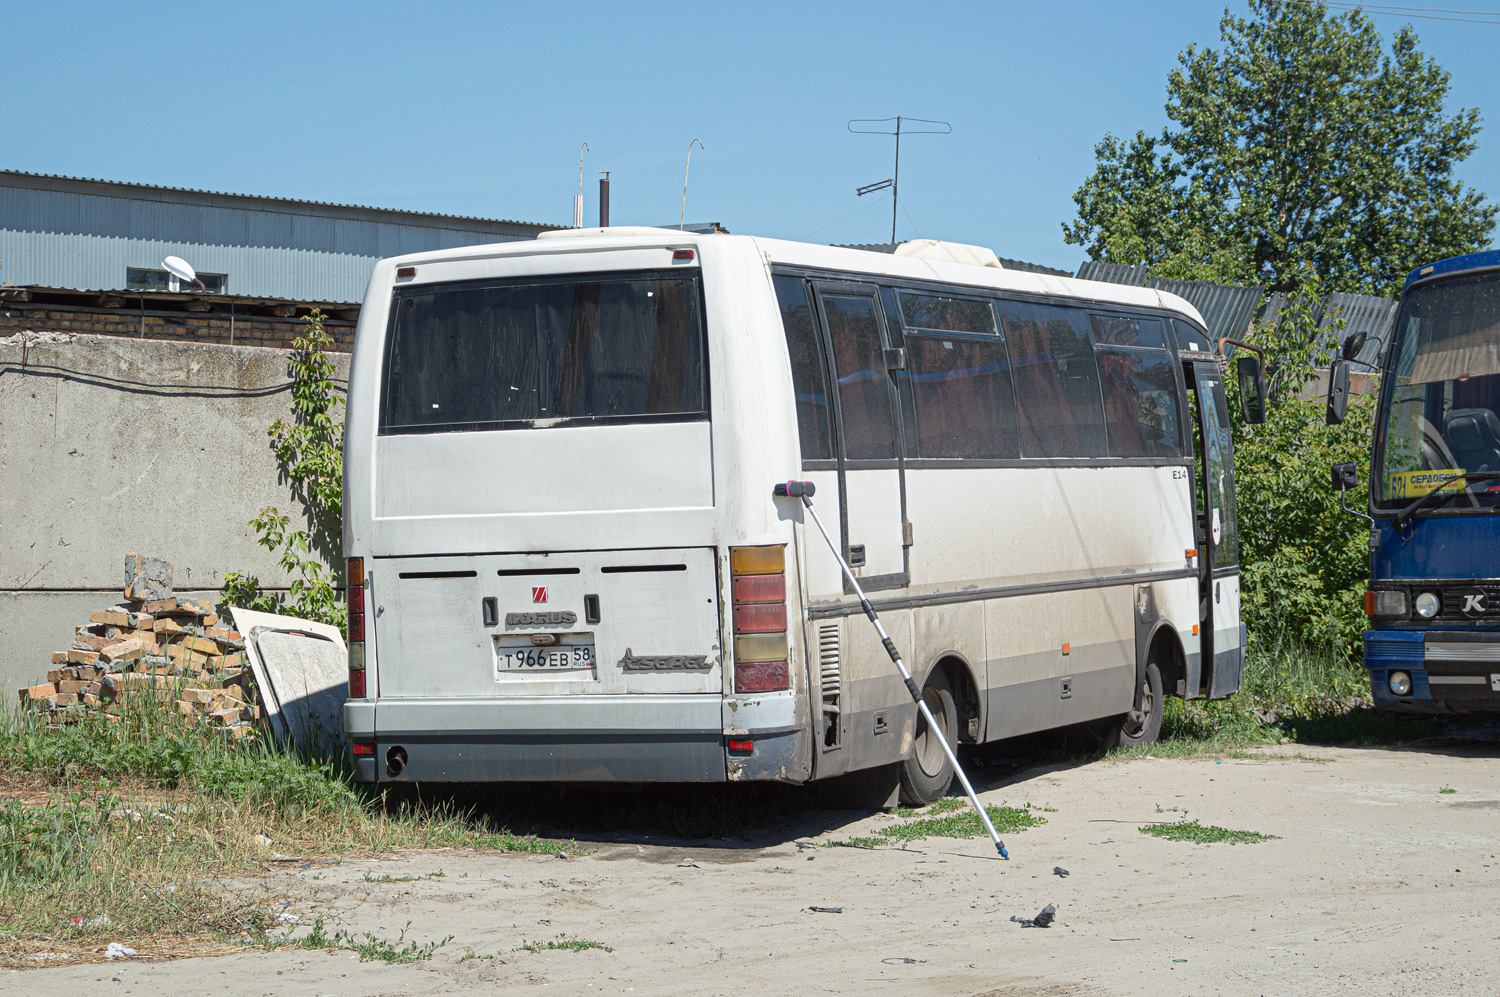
x=1375 y=316
x=1227 y=309
x=56 y=181
x=85 y=234
x=1130 y=274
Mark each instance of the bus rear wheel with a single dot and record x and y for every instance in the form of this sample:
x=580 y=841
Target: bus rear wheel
x=926 y=774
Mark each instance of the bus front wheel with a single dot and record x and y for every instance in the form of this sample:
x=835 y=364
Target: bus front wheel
x=926 y=774
x=1123 y=733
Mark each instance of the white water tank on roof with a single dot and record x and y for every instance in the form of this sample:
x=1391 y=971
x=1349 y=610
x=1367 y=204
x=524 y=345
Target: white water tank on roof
x=950 y=252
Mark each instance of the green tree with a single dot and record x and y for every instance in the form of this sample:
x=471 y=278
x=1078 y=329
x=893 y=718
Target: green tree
x=310 y=449
x=1303 y=559
x=1302 y=140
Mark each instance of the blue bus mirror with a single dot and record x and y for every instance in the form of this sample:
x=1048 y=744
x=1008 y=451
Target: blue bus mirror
x=1345 y=477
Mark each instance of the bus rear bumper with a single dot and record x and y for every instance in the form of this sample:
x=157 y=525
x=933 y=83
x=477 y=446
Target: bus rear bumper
x=541 y=739
x=1451 y=672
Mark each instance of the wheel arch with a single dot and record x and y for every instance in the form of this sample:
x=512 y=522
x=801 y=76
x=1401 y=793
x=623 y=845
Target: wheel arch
x=968 y=697
x=1163 y=645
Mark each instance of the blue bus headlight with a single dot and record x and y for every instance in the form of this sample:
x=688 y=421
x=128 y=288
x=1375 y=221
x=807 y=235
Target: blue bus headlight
x=1400 y=683
x=1427 y=605
x=1388 y=602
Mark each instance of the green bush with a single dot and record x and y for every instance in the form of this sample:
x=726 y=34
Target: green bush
x=1303 y=559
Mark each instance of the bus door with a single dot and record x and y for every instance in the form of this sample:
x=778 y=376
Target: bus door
x=1222 y=652
x=872 y=489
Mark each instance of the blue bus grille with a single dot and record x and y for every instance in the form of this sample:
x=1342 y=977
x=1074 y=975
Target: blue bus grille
x=1386 y=648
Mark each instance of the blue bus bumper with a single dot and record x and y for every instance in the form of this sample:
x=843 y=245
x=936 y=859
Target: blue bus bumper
x=1452 y=671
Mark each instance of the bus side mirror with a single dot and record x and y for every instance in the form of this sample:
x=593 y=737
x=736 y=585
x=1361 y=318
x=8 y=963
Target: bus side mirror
x=1338 y=392
x=1252 y=390
x=1345 y=477
x=1354 y=344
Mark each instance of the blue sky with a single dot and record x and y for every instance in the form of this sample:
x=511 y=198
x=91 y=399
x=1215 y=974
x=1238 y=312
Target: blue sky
x=480 y=108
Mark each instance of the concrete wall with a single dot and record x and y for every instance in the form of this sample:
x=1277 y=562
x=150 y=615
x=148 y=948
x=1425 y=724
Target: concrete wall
x=109 y=445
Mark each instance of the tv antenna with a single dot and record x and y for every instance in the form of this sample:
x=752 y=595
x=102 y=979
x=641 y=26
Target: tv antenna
x=180 y=270
x=902 y=127
x=578 y=198
x=682 y=219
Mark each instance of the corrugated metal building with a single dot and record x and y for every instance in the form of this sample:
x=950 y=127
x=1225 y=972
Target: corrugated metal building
x=100 y=235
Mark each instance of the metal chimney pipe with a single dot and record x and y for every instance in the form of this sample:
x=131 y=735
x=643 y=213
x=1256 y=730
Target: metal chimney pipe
x=604 y=199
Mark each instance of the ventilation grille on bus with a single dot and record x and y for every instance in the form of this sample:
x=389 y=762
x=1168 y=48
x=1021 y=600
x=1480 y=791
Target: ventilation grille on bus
x=830 y=682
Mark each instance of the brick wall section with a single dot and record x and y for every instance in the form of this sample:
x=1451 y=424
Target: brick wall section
x=193 y=327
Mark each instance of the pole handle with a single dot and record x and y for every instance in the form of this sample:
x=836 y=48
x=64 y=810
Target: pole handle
x=794 y=489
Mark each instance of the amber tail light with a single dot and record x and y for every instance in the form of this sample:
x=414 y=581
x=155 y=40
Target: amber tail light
x=757 y=583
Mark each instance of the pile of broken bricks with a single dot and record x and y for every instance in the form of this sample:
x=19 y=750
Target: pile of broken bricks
x=157 y=651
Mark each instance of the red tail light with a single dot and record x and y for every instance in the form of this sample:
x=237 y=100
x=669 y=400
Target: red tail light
x=363 y=749
x=356 y=612
x=354 y=578
x=760 y=619
x=761 y=676
x=757 y=585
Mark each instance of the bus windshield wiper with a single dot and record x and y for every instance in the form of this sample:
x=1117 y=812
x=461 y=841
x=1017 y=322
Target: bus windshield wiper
x=1437 y=492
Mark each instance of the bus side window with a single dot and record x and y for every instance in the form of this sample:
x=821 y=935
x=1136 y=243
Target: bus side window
x=963 y=400
x=1191 y=342
x=1139 y=387
x=867 y=421
x=1057 y=380
x=814 y=418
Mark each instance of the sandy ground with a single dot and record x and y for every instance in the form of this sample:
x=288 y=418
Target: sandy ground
x=1379 y=884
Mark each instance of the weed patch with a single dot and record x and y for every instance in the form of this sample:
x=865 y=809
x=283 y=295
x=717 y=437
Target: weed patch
x=949 y=817
x=564 y=943
x=368 y=947
x=966 y=824
x=1204 y=834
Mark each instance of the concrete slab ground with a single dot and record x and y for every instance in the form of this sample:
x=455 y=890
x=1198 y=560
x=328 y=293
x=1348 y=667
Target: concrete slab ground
x=1379 y=883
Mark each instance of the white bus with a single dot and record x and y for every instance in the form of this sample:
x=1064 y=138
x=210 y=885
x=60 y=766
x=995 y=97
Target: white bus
x=566 y=561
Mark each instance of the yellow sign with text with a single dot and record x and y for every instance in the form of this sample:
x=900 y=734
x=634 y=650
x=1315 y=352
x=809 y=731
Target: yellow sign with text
x=1415 y=484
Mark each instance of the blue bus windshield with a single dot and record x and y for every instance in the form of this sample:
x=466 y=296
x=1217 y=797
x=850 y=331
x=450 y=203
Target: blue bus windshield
x=1440 y=410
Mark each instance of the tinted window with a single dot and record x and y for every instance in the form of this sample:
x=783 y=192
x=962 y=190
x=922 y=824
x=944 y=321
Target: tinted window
x=1057 y=383
x=1122 y=330
x=965 y=406
x=1140 y=403
x=863 y=384
x=1191 y=340
x=502 y=355
x=814 y=417
x=1223 y=531
x=932 y=311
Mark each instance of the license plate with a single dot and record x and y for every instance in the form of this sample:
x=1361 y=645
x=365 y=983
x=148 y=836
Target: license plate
x=517 y=653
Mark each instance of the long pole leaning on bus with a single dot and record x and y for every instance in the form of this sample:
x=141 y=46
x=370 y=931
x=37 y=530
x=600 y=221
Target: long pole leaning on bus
x=804 y=490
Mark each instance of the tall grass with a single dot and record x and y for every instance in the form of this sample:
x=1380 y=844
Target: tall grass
x=1290 y=692
x=147 y=819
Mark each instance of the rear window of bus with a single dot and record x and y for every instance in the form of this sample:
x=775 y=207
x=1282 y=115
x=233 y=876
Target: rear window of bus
x=539 y=352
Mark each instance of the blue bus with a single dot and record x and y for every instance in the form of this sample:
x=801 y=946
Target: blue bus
x=1433 y=643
